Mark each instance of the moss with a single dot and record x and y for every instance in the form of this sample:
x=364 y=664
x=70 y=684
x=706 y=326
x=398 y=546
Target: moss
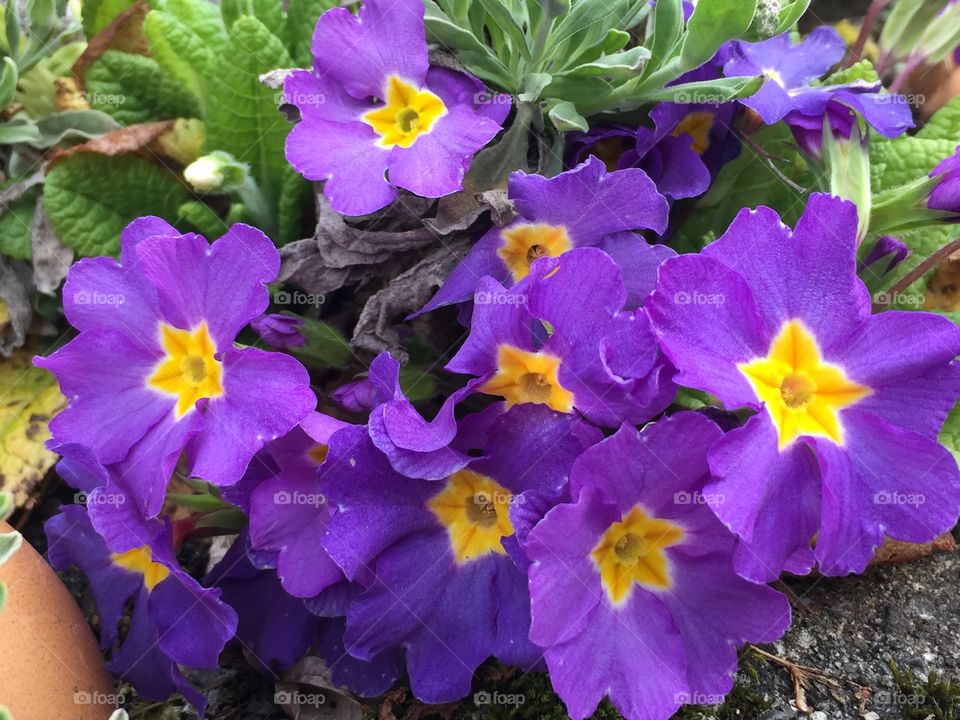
x=930 y=698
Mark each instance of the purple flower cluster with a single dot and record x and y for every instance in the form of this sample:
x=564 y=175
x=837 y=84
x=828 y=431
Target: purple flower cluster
x=557 y=511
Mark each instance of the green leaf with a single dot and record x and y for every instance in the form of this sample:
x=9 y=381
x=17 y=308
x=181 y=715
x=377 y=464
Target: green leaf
x=73 y=125
x=301 y=20
x=8 y=81
x=945 y=123
x=36 y=90
x=950 y=433
x=502 y=18
x=667 y=26
x=295 y=196
x=180 y=51
x=97 y=14
x=586 y=25
x=476 y=56
x=617 y=66
x=713 y=23
x=325 y=345
x=201 y=503
x=13 y=31
x=908 y=20
x=897 y=162
x=862 y=71
x=203 y=218
x=790 y=13
x=533 y=86
x=566 y=118
x=90 y=198
x=135 y=89
x=231 y=519
x=9 y=544
x=242 y=117
x=4 y=713
x=6 y=505
x=416 y=384
x=16 y=225
x=706 y=91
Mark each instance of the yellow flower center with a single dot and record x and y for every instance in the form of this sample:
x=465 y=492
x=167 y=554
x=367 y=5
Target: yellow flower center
x=408 y=113
x=609 y=151
x=475 y=511
x=631 y=551
x=140 y=560
x=190 y=371
x=526 y=242
x=528 y=377
x=803 y=393
x=698 y=126
x=775 y=76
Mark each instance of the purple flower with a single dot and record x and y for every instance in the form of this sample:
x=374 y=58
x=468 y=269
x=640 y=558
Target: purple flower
x=280 y=331
x=884 y=257
x=443 y=587
x=561 y=338
x=281 y=635
x=687 y=146
x=154 y=369
x=375 y=116
x=789 y=92
x=175 y=621
x=843 y=450
x=578 y=208
x=633 y=592
x=946 y=195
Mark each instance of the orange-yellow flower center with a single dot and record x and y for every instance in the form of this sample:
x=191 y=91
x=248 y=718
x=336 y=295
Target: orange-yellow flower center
x=631 y=552
x=408 y=113
x=698 y=126
x=140 y=561
x=190 y=370
x=803 y=393
x=528 y=377
x=475 y=511
x=526 y=242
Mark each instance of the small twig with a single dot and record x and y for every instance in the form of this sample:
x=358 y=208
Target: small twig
x=920 y=270
x=768 y=158
x=800 y=674
x=856 y=52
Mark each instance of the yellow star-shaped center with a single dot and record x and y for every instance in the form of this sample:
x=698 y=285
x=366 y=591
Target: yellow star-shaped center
x=190 y=370
x=803 y=393
x=525 y=242
x=528 y=377
x=631 y=552
x=408 y=113
x=140 y=561
x=475 y=511
x=698 y=126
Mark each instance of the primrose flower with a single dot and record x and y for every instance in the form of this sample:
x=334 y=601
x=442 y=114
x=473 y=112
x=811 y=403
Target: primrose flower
x=280 y=331
x=558 y=340
x=375 y=116
x=288 y=511
x=946 y=195
x=280 y=637
x=443 y=586
x=843 y=449
x=789 y=91
x=686 y=147
x=175 y=621
x=577 y=208
x=633 y=592
x=154 y=369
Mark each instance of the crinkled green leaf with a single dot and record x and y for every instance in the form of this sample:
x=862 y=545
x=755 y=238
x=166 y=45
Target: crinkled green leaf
x=301 y=20
x=15 y=224
x=922 y=243
x=135 y=89
x=862 y=71
x=295 y=197
x=90 y=198
x=97 y=14
x=180 y=51
x=945 y=123
x=203 y=218
x=896 y=162
x=242 y=116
